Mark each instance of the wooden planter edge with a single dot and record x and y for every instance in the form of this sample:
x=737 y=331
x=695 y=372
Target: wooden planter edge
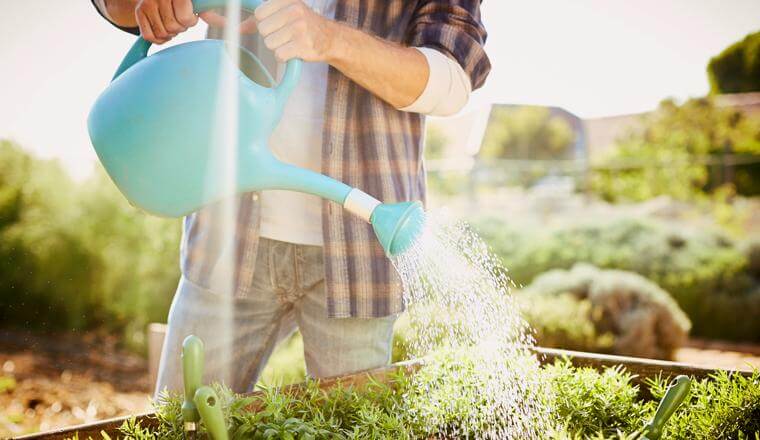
x=642 y=368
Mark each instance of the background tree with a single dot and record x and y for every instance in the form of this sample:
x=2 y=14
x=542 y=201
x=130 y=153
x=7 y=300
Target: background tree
x=441 y=182
x=672 y=154
x=436 y=143
x=737 y=68
x=77 y=255
x=526 y=133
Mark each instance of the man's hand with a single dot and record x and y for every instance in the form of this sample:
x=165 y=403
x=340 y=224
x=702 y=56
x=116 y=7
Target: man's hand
x=292 y=30
x=162 y=20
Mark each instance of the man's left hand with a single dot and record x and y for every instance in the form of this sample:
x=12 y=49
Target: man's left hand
x=292 y=29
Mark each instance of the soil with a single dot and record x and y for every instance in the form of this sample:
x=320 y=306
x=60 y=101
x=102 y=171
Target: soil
x=720 y=354
x=50 y=381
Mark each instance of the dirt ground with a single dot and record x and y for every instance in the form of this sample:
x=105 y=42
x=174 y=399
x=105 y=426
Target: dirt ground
x=51 y=381
x=719 y=354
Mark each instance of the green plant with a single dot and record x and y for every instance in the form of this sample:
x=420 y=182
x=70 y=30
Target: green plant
x=76 y=255
x=737 y=68
x=588 y=402
x=705 y=271
x=312 y=413
x=585 y=404
x=725 y=406
x=643 y=319
x=565 y=321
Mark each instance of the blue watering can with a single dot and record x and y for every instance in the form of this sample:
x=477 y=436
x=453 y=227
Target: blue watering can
x=153 y=129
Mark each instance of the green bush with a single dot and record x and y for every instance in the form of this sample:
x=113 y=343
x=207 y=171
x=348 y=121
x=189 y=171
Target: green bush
x=751 y=249
x=76 y=255
x=643 y=319
x=565 y=321
x=706 y=272
x=590 y=402
x=737 y=68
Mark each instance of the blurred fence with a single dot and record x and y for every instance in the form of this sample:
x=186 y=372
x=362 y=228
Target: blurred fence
x=471 y=176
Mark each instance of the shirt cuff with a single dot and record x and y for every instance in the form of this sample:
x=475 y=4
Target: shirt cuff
x=448 y=87
x=100 y=6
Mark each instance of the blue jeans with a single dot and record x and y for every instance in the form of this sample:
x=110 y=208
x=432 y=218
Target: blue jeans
x=240 y=333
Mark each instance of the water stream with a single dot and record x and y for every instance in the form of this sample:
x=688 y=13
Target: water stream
x=459 y=301
x=223 y=227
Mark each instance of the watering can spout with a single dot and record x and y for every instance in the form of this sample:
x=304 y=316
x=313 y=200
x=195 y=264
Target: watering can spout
x=396 y=225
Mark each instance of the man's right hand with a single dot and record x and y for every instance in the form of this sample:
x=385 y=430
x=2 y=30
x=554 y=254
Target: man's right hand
x=162 y=20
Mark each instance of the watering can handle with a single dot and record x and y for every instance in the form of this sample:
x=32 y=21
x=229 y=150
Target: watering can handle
x=139 y=49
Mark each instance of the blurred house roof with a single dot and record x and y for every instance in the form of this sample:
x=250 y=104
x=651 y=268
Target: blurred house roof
x=746 y=102
x=602 y=132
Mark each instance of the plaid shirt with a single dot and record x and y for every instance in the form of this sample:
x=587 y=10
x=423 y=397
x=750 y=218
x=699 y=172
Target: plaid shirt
x=367 y=144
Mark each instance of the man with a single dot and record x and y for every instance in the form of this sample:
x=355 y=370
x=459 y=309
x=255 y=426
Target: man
x=374 y=68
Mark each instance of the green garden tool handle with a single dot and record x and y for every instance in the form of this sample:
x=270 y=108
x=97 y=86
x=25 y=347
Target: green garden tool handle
x=192 y=374
x=139 y=49
x=675 y=394
x=211 y=413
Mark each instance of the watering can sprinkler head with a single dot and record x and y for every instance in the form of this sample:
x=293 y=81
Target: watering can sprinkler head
x=396 y=225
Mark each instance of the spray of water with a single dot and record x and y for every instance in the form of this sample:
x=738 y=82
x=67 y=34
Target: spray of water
x=221 y=231
x=465 y=320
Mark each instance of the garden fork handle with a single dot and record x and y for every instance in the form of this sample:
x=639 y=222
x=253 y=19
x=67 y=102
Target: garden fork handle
x=675 y=394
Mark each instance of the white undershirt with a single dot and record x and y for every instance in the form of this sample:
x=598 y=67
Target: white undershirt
x=296 y=217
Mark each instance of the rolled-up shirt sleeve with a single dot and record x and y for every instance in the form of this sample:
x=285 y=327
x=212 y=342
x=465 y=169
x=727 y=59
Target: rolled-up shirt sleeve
x=100 y=6
x=454 y=28
x=448 y=87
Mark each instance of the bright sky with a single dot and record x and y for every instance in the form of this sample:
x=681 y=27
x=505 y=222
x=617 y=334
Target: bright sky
x=593 y=57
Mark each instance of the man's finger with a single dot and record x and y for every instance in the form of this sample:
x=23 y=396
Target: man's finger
x=286 y=52
x=213 y=19
x=145 y=29
x=159 y=31
x=183 y=12
x=278 y=20
x=278 y=38
x=248 y=26
x=172 y=26
x=270 y=7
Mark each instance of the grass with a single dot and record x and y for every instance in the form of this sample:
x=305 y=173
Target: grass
x=286 y=365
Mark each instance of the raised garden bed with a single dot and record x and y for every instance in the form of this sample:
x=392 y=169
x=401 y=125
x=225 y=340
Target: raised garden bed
x=641 y=369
